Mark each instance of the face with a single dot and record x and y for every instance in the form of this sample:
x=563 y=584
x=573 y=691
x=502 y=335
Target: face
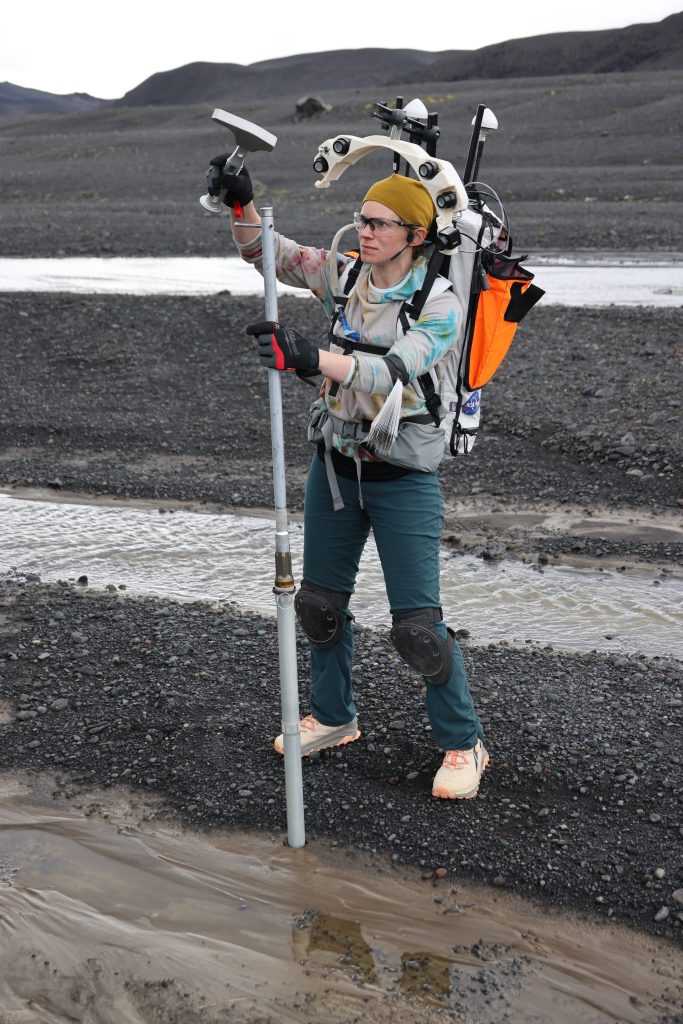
x=378 y=246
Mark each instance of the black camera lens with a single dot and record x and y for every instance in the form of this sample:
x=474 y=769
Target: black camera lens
x=428 y=169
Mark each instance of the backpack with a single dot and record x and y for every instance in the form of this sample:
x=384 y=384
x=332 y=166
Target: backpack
x=493 y=290
x=494 y=293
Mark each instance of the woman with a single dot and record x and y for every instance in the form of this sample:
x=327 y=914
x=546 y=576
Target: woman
x=350 y=488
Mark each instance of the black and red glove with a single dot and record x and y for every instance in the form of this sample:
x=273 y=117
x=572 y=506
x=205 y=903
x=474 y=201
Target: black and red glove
x=236 y=190
x=281 y=348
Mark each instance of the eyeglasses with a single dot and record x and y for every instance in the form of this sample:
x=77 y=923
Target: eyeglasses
x=378 y=225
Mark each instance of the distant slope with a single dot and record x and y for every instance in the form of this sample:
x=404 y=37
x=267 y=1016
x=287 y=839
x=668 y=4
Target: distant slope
x=15 y=99
x=656 y=46
x=303 y=73
x=647 y=47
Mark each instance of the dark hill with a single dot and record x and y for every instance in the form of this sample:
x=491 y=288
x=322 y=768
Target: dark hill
x=307 y=72
x=15 y=99
x=645 y=47
x=652 y=46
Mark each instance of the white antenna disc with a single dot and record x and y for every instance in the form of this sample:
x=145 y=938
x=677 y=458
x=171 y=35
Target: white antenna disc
x=488 y=120
x=417 y=109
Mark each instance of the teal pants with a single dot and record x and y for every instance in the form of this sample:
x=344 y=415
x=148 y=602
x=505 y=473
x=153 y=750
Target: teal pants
x=405 y=516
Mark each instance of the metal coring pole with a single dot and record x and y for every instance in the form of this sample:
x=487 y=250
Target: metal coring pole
x=284 y=582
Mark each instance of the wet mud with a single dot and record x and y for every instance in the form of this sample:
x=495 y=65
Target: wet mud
x=108 y=917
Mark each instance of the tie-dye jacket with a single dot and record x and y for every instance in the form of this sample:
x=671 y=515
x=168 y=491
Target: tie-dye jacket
x=373 y=313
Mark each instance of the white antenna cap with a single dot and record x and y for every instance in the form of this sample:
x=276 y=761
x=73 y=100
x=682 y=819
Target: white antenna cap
x=488 y=120
x=416 y=109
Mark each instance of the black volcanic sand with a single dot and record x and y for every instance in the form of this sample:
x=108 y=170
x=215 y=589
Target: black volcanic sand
x=582 y=162
x=580 y=808
x=163 y=398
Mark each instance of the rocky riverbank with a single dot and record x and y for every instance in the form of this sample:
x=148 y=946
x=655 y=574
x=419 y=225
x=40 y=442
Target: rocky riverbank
x=162 y=398
x=180 y=702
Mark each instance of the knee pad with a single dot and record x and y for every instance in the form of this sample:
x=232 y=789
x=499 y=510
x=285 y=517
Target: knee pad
x=421 y=646
x=319 y=614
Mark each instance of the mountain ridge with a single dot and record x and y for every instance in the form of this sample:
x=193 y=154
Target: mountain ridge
x=656 y=46
x=17 y=100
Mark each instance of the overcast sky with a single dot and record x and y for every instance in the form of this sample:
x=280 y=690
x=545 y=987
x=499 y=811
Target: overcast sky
x=65 y=46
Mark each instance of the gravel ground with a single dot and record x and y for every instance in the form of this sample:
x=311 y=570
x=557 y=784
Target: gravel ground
x=581 y=161
x=580 y=808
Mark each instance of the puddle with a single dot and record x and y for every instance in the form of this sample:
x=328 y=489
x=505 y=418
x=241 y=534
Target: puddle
x=158 y=924
x=599 y=279
x=224 y=557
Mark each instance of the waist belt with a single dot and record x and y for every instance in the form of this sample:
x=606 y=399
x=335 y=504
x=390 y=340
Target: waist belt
x=356 y=430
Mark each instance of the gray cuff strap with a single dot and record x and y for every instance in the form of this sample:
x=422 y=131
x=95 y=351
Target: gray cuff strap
x=253 y=243
x=356 y=459
x=397 y=369
x=346 y=383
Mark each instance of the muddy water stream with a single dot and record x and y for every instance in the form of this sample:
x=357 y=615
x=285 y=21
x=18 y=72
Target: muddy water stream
x=111 y=919
x=209 y=556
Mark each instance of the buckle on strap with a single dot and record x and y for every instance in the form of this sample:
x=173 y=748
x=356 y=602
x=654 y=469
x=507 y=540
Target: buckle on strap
x=356 y=430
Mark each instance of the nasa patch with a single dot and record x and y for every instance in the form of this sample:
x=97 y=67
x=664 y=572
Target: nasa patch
x=472 y=404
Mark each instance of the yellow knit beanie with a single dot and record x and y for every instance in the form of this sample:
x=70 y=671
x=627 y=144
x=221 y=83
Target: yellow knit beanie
x=407 y=197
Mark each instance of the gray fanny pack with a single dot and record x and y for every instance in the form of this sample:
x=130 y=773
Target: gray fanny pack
x=317 y=416
x=418 y=445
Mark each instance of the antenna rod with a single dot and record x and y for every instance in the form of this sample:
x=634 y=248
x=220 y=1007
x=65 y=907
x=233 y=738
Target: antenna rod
x=474 y=142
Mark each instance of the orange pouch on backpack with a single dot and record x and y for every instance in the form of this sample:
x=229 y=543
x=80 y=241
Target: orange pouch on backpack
x=508 y=298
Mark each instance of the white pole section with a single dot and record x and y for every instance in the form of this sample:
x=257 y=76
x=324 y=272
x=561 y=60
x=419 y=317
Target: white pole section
x=284 y=582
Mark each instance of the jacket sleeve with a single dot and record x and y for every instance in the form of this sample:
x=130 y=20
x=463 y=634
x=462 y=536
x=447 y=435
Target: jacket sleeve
x=301 y=266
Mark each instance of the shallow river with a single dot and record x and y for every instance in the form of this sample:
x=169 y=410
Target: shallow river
x=223 y=557
x=570 y=279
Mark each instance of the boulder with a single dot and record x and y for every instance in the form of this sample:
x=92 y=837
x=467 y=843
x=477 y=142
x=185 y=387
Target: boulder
x=311 y=106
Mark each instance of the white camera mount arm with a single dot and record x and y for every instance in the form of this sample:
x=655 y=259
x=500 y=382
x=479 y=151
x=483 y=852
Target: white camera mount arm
x=439 y=177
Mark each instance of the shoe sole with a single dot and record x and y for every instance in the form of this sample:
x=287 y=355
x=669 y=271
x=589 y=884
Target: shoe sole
x=324 y=746
x=445 y=794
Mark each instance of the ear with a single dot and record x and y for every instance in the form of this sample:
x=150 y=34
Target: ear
x=416 y=236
